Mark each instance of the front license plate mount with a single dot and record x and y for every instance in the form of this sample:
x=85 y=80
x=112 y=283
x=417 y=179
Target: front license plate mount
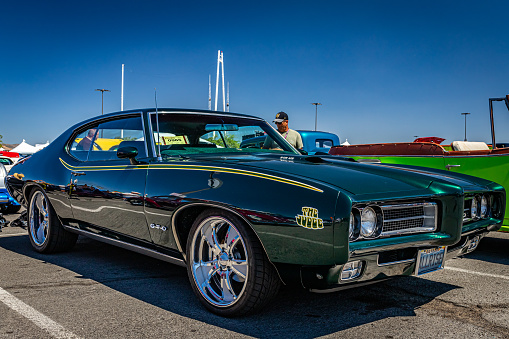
x=430 y=260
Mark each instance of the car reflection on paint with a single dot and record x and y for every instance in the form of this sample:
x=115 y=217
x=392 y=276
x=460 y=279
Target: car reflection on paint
x=180 y=186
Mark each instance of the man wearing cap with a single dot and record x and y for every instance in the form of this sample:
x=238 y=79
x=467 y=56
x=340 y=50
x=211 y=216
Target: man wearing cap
x=293 y=137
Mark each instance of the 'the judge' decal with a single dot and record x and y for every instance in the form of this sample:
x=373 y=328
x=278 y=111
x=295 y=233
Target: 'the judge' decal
x=309 y=219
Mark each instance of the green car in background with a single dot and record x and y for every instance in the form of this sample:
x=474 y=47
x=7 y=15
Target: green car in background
x=473 y=158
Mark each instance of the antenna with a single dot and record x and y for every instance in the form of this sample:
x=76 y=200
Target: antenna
x=122 y=91
x=220 y=61
x=228 y=96
x=210 y=96
x=158 y=143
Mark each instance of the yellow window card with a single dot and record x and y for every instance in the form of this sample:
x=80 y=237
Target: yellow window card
x=173 y=140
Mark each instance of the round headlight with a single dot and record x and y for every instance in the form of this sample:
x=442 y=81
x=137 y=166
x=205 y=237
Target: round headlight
x=474 y=208
x=484 y=207
x=368 y=222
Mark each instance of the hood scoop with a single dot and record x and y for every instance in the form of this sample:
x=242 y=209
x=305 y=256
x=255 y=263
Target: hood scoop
x=315 y=160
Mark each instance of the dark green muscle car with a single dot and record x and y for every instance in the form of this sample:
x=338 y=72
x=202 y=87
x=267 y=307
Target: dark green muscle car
x=177 y=185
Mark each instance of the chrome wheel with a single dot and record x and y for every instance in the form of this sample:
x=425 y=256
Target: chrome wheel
x=39 y=218
x=219 y=261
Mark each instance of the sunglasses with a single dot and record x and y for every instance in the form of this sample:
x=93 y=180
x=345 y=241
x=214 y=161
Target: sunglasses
x=279 y=123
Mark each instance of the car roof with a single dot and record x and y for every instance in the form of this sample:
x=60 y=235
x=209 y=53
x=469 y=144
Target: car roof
x=175 y=110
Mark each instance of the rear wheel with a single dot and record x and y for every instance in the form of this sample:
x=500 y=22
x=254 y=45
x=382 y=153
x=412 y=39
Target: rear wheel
x=44 y=229
x=227 y=267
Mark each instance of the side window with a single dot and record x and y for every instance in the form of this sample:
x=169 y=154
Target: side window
x=323 y=143
x=82 y=143
x=102 y=141
x=6 y=161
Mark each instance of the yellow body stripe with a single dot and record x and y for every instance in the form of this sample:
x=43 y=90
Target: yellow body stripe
x=191 y=168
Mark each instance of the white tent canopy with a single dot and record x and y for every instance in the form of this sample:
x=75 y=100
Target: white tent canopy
x=346 y=143
x=41 y=146
x=24 y=148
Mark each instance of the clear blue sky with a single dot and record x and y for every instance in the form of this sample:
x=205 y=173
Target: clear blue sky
x=383 y=70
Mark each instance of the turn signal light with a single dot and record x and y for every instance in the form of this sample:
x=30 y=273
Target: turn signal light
x=352 y=270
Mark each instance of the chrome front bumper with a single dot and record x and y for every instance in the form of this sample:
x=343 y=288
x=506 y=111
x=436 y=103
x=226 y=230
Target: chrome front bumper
x=467 y=244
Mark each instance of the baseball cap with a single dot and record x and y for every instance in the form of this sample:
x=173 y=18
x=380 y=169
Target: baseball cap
x=280 y=117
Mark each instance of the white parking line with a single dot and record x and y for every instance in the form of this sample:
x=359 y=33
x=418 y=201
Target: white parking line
x=34 y=316
x=477 y=273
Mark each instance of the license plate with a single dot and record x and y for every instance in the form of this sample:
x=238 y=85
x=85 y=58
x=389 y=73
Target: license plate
x=430 y=260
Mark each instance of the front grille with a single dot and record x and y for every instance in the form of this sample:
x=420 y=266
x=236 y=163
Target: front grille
x=409 y=218
x=390 y=226
x=403 y=212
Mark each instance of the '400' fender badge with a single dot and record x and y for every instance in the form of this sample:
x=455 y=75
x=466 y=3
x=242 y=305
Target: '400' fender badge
x=309 y=219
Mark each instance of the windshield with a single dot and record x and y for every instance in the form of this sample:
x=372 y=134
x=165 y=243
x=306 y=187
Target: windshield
x=189 y=134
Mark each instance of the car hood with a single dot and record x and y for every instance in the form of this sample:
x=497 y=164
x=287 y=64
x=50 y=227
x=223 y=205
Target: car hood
x=356 y=178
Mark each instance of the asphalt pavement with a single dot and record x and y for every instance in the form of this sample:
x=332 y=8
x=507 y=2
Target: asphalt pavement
x=101 y=291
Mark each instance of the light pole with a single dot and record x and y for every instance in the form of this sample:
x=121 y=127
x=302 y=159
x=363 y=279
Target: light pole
x=316 y=112
x=102 y=98
x=465 y=114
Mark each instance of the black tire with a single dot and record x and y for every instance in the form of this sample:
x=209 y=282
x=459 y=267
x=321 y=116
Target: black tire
x=229 y=272
x=44 y=228
x=11 y=209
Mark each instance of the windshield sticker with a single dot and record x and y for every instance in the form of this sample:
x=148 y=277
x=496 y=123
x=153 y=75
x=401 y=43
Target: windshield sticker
x=175 y=140
x=309 y=219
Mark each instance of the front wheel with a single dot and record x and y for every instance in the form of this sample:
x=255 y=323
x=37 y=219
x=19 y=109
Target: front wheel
x=227 y=267
x=44 y=229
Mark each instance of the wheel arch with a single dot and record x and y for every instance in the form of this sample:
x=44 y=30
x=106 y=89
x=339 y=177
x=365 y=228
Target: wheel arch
x=28 y=190
x=184 y=217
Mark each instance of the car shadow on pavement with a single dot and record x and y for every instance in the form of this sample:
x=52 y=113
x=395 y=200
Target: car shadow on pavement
x=293 y=313
x=493 y=248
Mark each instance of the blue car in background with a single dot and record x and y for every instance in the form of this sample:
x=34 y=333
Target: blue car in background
x=7 y=203
x=314 y=142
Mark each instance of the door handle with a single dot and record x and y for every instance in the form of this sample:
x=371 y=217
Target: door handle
x=449 y=166
x=77 y=174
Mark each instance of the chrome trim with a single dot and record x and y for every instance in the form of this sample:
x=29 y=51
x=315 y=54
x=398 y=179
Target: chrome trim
x=217 y=113
x=462 y=248
x=395 y=262
x=369 y=161
x=144 y=133
x=128 y=246
x=151 y=132
x=385 y=231
x=450 y=166
x=407 y=231
x=98 y=121
x=413 y=229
